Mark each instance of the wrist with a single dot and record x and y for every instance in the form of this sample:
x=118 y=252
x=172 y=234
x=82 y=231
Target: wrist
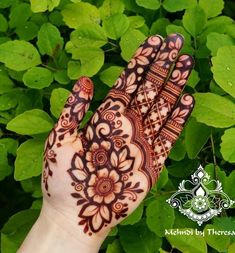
x=55 y=233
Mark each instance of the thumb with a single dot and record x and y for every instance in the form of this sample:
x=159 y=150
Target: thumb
x=75 y=108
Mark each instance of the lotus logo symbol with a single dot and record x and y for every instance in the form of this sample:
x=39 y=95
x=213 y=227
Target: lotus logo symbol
x=200 y=199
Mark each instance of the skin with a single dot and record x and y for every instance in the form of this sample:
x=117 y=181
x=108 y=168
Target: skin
x=95 y=177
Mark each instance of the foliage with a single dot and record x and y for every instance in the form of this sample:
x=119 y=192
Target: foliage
x=47 y=44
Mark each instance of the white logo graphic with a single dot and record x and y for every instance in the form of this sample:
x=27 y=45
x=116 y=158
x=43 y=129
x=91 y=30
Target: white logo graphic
x=200 y=199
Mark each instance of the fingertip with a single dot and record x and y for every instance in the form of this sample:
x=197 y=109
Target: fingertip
x=184 y=108
x=188 y=59
x=84 y=85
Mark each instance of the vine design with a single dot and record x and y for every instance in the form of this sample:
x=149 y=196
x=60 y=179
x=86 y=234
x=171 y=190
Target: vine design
x=76 y=106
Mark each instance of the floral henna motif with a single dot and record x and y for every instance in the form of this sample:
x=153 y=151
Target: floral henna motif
x=132 y=76
x=102 y=174
x=113 y=164
x=76 y=106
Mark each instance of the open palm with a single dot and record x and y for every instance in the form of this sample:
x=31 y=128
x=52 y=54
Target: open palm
x=98 y=175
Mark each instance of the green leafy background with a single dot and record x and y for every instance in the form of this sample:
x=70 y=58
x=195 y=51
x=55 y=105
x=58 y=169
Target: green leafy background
x=45 y=45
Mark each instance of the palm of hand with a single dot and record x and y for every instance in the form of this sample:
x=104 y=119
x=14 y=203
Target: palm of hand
x=109 y=166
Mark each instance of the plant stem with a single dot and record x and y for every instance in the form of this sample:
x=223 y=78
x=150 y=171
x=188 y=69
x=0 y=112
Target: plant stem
x=213 y=150
x=48 y=67
x=113 y=44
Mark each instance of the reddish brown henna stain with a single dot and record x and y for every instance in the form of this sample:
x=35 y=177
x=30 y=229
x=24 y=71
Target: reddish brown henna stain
x=76 y=106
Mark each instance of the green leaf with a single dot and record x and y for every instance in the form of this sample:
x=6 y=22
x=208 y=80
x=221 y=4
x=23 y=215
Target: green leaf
x=115 y=247
x=86 y=118
x=6 y=3
x=5 y=169
x=49 y=40
x=230 y=30
x=116 y=25
x=28 y=31
x=130 y=41
x=31 y=122
x=159 y=26
x=163 y=179
x=57 y=101
x=7 y=101
x=212 y=7
x=43 y=5
x=217 y=40
x=179 y=5
x=181 y=221
x=194 y=20
x=231 y=248
x=178 y=151
x=89 y=35
x=196 y=243
x=196 y=136
x=229 y=185
x=29 y=158
x=134 y=217
x=218 y=242
x=6 y=83
x=10 y=145
x=113 y=231
x=61 y=76
x=214 y=110
x=75 y=15
x=16 y=229
x=19 y=55
x=182 y=169
x=160 y=216
x=3 y=24
x=74 y=70
x=218 y=24
x=138 y=239
x=136 y=21
x=110 y=75
x=19 y=15
x=193 y=79
x=228 y=145
x=215 y=173
x=32 y=186
x=150 y=4
x=38 y=78
x=224 y=68
x=91 y=58
x=111 y=7
x=37 y=204
x=225 y=223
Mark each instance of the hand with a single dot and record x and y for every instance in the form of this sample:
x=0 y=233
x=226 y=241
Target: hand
x=97 y=176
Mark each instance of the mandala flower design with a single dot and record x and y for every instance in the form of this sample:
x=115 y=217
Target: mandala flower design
x=97 y=155
x=104 y=186
x=197 y=201
x=101 y=177
x=200 y=203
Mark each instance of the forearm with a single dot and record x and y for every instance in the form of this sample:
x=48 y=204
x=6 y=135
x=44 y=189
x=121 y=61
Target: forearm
x=53 y=233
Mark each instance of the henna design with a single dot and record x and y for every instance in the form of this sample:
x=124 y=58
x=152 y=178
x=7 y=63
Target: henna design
x=167 y=98
x=157 y=75
x=115 y=164
x=104 y=173
x=76 y=106
x=133 y=75
x=171 y=131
